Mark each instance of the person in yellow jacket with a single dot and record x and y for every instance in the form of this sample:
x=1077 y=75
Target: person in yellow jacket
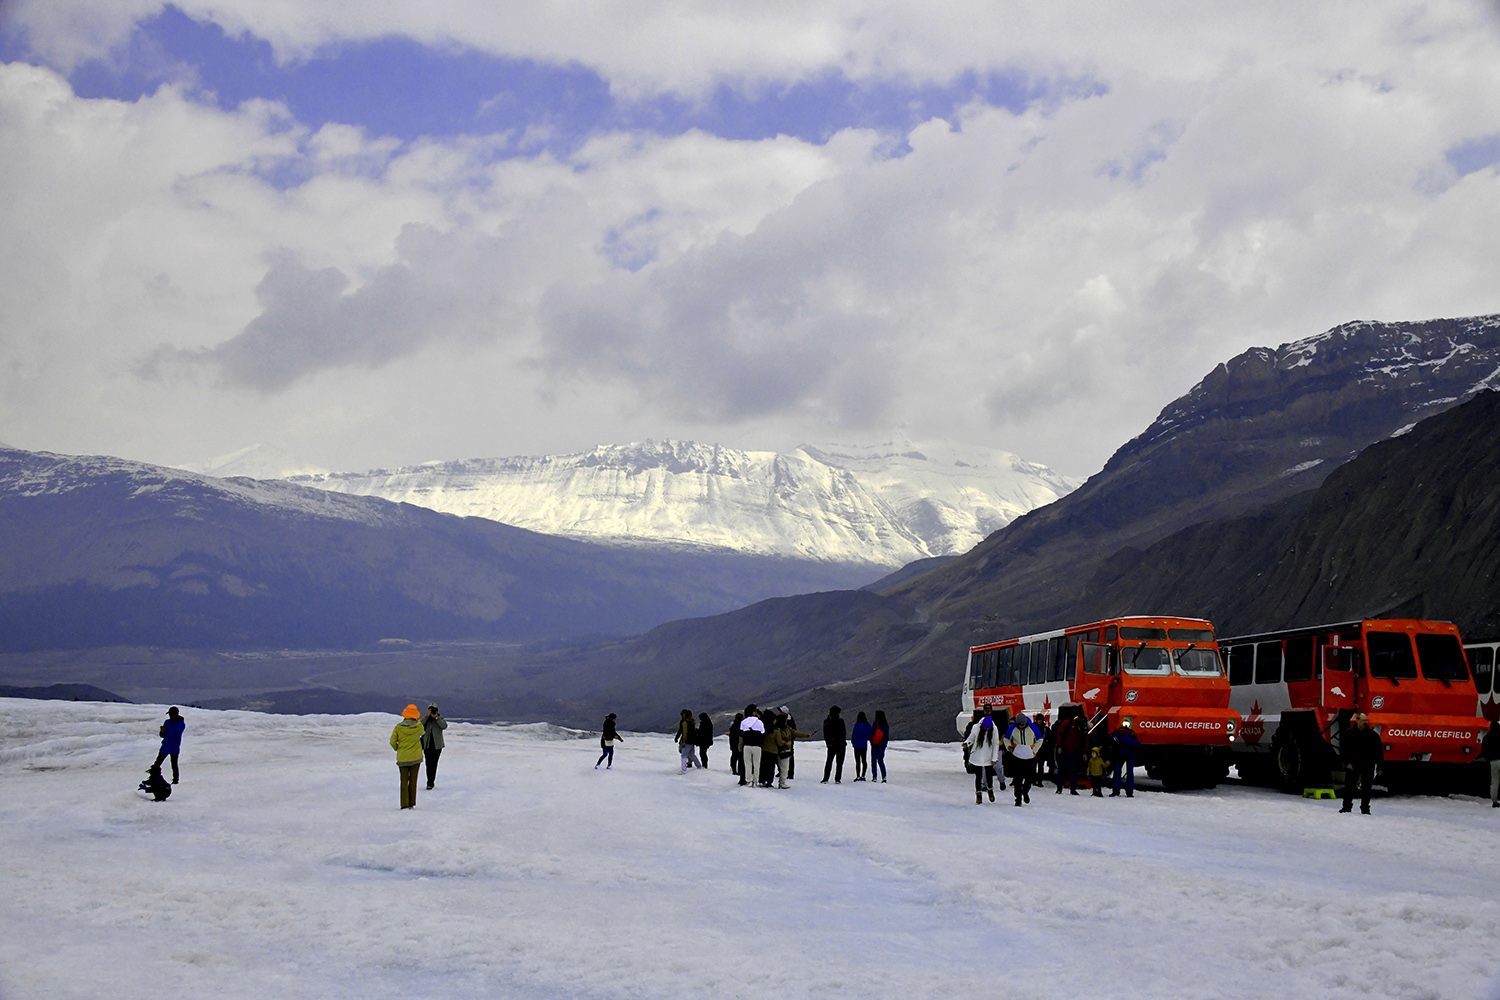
x=406 y=740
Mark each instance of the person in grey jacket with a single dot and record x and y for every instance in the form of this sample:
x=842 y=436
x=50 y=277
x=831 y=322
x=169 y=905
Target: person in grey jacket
x=433 y=725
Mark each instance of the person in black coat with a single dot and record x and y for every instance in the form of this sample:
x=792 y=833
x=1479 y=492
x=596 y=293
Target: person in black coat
x=705 y=737
x=736 y=745
x=834 y=738
x=1361 y=751
x=1490 y=751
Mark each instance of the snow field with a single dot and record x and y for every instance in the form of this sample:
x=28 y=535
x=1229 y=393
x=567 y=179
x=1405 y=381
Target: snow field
x=282 y=867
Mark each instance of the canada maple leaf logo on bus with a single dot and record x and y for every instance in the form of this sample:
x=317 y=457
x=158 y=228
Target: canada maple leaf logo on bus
x=1254 y=727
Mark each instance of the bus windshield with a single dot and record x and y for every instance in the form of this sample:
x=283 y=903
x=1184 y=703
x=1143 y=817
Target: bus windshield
x=1202 y=662
x=1442 y=657
x=1144 y=659
x=1390 y=655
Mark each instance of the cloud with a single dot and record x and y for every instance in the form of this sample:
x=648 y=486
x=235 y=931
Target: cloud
x=1041 y=274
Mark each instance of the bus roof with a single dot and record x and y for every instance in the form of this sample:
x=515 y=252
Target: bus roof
x=1166 y=620
x=1292 y=633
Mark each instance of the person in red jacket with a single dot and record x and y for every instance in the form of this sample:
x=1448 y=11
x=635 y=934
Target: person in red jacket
x=1072 y=739
x=878 y=741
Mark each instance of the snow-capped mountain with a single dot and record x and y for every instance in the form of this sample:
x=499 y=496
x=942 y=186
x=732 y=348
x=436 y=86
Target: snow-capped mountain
x=258 y=461
x=885 y=505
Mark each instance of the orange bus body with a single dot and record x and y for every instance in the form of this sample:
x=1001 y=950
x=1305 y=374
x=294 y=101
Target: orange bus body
x=1162 y=675
x=1298 y=688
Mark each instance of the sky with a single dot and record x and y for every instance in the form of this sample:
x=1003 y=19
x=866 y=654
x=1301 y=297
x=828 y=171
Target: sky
x=384 y=233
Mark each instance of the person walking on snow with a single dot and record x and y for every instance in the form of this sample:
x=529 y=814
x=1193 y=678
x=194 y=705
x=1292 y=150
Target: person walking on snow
x=1022 y=740
x=705 y=738
x=406 y=740
x=433 y=725
x=753 y=735
x=171 y=740
x=607 y=740
x=982 y=749
x=859 y=739
x=1490 y=751
x=834 y=739
x=1362 y=752
x=687 y=740
x=880 y=737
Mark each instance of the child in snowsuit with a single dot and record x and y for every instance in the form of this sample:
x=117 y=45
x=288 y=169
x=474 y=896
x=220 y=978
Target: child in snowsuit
x=1096 y=771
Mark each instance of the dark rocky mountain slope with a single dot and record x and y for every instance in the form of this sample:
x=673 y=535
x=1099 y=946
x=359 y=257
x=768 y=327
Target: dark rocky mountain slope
x=1409 y=528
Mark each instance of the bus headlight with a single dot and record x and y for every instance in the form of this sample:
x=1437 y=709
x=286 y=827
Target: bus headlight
x=1229 y=728
x=1126 y=721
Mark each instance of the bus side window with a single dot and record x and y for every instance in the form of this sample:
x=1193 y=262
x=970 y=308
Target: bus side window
x=1023 y=663
x=1268 y=662
x=1351 y=660
x=1091 y=658
x=974 y=661
x=1111 y=634
x=1039 y=661
x=1072 y=665
x=1299 y=658
x=1242 y=664
x=1005 y=658
x=1055 y=658
x=1482 y=663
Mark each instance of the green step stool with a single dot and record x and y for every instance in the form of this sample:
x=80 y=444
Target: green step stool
x=1317 y=793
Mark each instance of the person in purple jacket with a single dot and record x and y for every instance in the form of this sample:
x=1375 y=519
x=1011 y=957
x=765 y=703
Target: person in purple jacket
x=859 y=739
x=171 y=740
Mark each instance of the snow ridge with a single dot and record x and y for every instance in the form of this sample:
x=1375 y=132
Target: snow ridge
x=884 y=505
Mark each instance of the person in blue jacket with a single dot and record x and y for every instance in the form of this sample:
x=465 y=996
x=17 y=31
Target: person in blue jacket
x=171 y=740
x=859 y=739
x=1125 y=746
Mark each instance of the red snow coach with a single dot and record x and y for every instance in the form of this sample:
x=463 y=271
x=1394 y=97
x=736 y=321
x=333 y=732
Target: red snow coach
x=1298 y=690
x=1162 y=676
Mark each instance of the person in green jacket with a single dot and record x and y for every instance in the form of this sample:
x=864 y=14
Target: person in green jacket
x=406 y=740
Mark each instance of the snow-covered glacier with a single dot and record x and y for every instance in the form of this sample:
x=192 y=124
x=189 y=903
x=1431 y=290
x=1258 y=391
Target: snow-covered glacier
x=885 y=505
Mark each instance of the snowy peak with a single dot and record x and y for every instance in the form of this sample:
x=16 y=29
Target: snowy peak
x=870 y=505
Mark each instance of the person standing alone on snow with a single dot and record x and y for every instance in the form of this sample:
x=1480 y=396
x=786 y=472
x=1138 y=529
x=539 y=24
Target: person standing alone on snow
x=171 y=740
x=607 y=740
x=433 y=725
x=833 y=738
x=406 y=740
x=1362 y=752
x=859 y=739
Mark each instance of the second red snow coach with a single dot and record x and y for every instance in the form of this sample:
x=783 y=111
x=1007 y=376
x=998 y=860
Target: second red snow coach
x=1298 y=690
x=1162 y=676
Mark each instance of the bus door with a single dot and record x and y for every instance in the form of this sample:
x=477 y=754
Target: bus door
x=1094 y=677
x=1338 y=677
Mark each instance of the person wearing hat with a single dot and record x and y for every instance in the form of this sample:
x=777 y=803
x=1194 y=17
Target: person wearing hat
x=982 y=748
x=406 y=740
x=171 y=740
x=433 y=725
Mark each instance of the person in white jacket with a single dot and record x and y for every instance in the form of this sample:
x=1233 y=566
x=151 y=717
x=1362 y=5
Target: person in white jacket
x=983 y=748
